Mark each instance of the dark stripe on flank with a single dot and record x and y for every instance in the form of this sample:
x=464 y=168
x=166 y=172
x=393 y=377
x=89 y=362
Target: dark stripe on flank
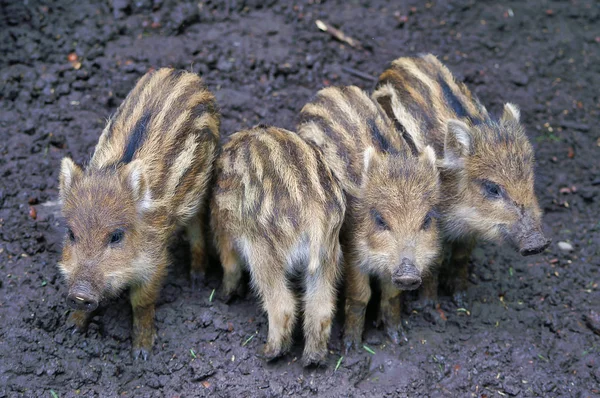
x=455 y=103
x=400 y=80
x=136 y=138
x=386 y=104
x=382 y=143
x=452 y=99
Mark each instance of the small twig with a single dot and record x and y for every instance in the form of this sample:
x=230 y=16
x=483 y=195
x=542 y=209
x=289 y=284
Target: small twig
x=358 y=73
x=338 y=34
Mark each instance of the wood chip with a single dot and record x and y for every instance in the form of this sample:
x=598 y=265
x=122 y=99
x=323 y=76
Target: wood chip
x=32 y=212
x=338 y=34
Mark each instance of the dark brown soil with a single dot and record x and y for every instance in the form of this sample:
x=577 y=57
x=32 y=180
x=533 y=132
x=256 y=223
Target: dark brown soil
x=530 y=329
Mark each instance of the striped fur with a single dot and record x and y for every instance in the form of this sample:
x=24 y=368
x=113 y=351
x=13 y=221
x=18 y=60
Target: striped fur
x=149 y=174
x=426 y=96
x=391 y=192
x=277 y=208
x=344 y=122
x=169 y=122
x=479 y=153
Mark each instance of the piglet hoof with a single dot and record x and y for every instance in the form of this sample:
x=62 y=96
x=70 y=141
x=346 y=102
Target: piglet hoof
x=78 y=330
x=313 y=359
x=226 y=296
x=197 y=279
x=460 y=298
x=270 y=352
x=79 y=321
x=397 y=335
x=351 y=342
x=140 y=354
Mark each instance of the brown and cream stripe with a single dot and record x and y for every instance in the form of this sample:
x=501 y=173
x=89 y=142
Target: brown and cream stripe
x=344 y=122
x=170 y=121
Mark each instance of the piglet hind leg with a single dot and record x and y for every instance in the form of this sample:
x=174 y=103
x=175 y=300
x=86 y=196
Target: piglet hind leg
x=232 y=269
x=358 y=294
x=268 y=276
x=319 y=307
x=390 y=312
x=198 y=254
x=143 y=302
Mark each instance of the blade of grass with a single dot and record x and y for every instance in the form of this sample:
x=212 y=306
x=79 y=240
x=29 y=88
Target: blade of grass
x=212 y=294
x=466 y=311
x=247 y=340
x=54 y=394
x=369 y=350
x=193 y=353
x=339 y=362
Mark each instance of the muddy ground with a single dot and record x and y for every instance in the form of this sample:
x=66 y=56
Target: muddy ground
x=526 y=331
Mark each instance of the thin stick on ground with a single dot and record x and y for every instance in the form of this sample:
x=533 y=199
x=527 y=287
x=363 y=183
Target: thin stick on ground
x=338 y=34
x=358 y=73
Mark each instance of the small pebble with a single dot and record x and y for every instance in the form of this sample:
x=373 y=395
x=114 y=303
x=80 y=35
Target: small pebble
x=564 y=246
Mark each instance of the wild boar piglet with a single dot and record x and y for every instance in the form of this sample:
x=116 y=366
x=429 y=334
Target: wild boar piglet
x=277 y=208
x=149 y=174
x=392 y=189
x=486 y=163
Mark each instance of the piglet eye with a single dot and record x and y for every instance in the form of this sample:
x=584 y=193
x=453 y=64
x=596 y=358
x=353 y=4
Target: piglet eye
x=428 y=220
x=116 y=237
x=379 y=221
x=492 y=190
x=70 y=234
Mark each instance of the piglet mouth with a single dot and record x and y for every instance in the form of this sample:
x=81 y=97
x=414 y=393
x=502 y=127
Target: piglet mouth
x=407 y=276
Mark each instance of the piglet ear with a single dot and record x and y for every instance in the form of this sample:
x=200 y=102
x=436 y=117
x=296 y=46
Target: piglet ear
x=69 y=173
x=428 y=155
x=368 y=156
x=370 y=159
x=136 y=180
x=457 y=144
x=511 y=113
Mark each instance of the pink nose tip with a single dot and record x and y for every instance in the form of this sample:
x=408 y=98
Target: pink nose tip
x=81 y=302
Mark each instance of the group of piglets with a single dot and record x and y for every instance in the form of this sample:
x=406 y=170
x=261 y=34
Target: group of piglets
x=392 y=186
